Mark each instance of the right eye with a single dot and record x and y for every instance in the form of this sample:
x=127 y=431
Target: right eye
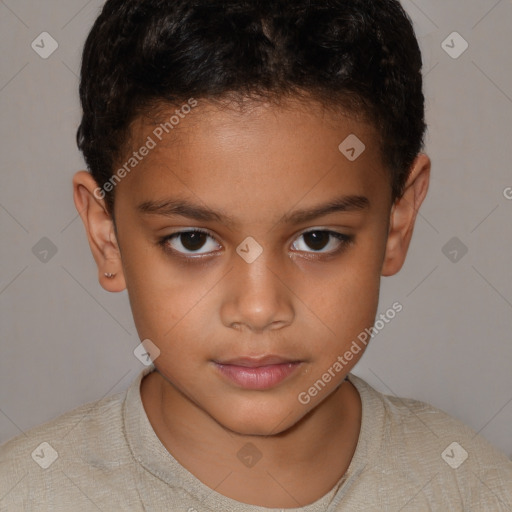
x=189 y=242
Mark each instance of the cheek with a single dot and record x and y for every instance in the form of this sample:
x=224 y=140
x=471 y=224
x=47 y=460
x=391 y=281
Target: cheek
x=349 y=305
x=161 y=305
x=159 y=293
x=173 y=306
x=347 y=300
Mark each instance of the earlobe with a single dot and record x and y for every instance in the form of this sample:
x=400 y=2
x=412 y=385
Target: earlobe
x=403 y=215
x=100 y=231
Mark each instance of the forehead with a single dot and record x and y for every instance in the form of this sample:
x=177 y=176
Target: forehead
x=212 y=120
x=264 y=147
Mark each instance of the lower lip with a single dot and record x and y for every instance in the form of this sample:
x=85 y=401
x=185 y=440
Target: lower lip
x=262 y=377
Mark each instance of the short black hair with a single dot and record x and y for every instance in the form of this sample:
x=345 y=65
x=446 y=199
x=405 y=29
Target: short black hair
x=360 y=56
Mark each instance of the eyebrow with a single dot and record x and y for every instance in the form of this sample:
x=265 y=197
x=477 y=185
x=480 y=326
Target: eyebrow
x=183 y=208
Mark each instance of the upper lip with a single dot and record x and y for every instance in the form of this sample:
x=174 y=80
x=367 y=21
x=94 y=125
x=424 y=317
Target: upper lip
x=256 y=362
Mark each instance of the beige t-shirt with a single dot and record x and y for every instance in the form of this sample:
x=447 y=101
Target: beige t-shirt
x=106 y=456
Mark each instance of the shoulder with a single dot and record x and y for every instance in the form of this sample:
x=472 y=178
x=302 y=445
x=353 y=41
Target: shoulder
x=76 y=447
x=427 y=448
x=92 y=416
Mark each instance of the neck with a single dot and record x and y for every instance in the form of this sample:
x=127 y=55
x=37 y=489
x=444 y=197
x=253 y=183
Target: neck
x=291 y=469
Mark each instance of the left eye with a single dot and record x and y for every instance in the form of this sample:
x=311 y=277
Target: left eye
x=320 y=239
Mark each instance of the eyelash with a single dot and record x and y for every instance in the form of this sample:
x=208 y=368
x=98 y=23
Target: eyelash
x=345 y=241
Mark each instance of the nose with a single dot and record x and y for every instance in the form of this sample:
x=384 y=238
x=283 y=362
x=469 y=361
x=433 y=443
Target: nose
x=257 y=297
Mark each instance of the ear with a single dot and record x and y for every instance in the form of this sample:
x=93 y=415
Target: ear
x=99 y=227
x=403 y=215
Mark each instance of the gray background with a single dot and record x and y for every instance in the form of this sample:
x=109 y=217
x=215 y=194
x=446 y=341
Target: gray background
x=65 y=341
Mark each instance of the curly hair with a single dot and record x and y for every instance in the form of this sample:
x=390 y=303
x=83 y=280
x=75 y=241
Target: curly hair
x=359 y=56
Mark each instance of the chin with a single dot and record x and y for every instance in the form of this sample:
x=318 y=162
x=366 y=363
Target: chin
x=256 y=421
x=254 y=428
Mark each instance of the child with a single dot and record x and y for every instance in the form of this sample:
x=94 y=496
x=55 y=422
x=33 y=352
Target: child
x=255 y=168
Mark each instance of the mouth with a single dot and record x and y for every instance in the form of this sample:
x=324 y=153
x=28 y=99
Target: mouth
x=257 y=373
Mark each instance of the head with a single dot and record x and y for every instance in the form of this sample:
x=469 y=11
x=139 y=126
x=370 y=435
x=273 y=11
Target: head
x=254 y=169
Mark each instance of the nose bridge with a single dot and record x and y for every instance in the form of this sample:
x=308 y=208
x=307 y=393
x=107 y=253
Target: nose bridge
x=257 y=298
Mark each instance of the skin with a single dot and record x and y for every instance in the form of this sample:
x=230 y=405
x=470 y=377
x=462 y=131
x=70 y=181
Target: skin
x=296 y=300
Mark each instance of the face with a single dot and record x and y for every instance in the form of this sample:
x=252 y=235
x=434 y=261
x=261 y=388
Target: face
x=252 y=250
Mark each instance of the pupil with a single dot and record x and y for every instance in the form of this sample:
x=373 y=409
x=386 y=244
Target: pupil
x=193 y=241
x=317 y=239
